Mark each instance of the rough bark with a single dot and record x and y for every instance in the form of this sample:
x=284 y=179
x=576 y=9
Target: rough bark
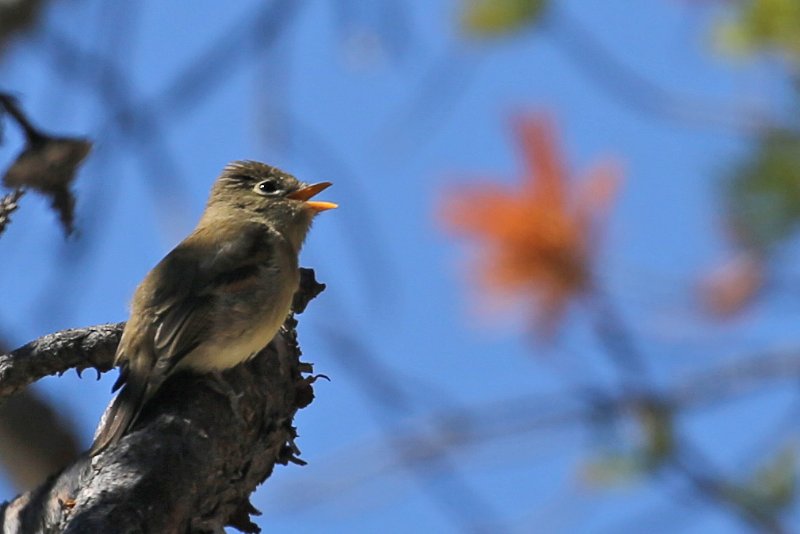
x=200 y=448
x=80 y=348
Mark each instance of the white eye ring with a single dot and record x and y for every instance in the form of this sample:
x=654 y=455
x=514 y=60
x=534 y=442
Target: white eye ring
x=267 y=188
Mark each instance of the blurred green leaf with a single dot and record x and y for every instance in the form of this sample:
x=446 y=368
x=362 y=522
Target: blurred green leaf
x=776 y=482
x=658 y=433
x=773 y=487
x=491 y=18
x=614 y=468
x=764 y=194
x=762 y=25
x=651 y=443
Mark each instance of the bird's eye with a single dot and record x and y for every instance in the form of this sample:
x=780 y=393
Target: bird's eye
x=267 y=187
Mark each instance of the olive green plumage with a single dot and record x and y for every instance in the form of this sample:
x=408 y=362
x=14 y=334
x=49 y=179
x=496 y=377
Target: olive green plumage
x=221 y=295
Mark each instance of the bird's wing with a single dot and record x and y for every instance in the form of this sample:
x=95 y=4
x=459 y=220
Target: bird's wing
x=192 y=279
x=178 y=303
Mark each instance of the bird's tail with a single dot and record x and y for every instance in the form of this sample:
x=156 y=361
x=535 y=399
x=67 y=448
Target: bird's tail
x=121 y=413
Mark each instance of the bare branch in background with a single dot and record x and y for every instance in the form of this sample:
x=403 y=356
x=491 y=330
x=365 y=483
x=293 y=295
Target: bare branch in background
x=361 y=222
x=439 y=91
x=635 y=91
x=665 y=445
x=432 y=466
x=17 y=16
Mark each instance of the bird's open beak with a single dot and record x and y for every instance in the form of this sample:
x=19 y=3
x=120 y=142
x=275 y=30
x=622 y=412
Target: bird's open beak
x=309 y=191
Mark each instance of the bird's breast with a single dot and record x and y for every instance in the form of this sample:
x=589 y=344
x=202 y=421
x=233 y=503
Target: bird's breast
x=245 y=320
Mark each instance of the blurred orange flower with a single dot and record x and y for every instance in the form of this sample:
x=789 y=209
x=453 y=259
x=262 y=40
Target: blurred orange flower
x=538 y=237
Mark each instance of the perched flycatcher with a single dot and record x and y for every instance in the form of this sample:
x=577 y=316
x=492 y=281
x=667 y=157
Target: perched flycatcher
x=221 y=295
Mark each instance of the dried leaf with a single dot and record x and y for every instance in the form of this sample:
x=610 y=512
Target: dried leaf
x=48 y=165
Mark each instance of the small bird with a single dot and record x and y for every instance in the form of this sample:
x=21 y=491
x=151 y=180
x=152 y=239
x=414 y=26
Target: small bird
x=221 y=295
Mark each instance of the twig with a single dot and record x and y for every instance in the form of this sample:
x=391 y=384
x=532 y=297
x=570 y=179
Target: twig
x=8 y=205
x=78 y=349
x=439 y=91
x=32 y=134
x=361 y=226
x=633 y=90
x=617 y=342
x=425 y=458
x=622 y=352
x=516 y=418
x=719 y=492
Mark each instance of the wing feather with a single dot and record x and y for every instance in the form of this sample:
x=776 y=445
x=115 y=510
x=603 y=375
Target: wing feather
x=175 y=308
x=184 y=310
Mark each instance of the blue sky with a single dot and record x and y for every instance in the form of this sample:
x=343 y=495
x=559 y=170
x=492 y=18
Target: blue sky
x=340 y=97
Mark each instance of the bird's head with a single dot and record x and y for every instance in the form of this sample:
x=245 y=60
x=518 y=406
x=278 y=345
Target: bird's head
x=259 y=191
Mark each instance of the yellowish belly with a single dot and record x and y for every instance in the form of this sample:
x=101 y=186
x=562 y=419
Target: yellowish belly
x=228 y=351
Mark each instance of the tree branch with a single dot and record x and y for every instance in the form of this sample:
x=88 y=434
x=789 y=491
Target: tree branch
x=199 y=449
x=57 y=353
